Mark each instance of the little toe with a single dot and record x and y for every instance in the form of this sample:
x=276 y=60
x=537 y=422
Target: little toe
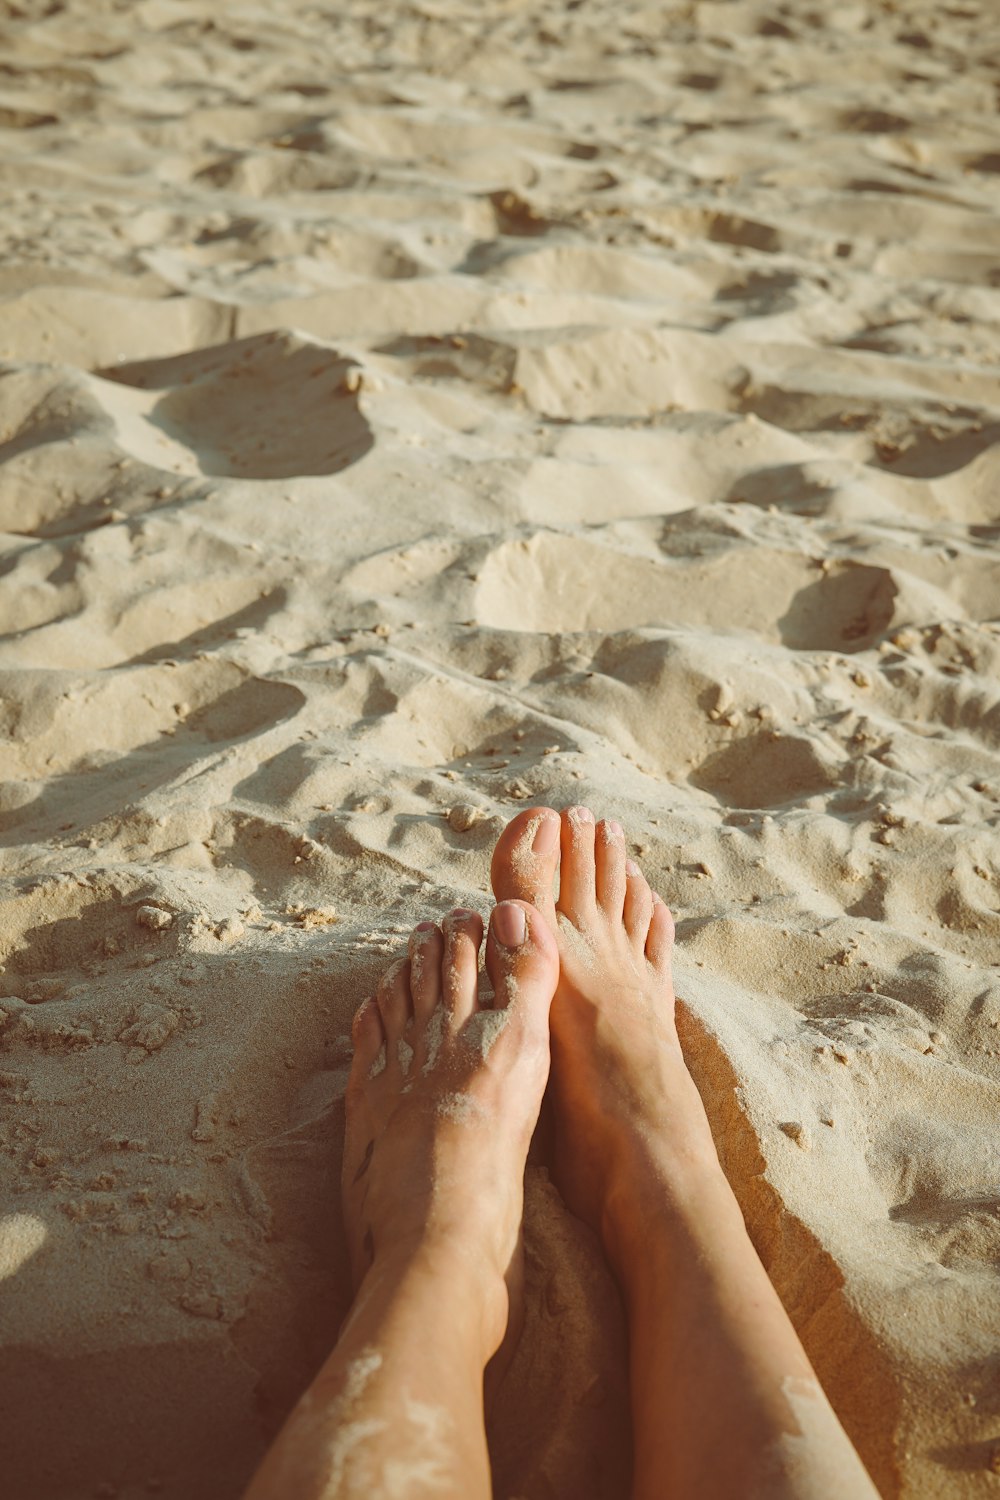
x=368 y=1037
x=522 y=960
x=463 y=934
x=394 y=1002
x=426 y=947
x=609 y=862
x=525 y=859
x=660 y=938
x=577 y=875
x=638 y=906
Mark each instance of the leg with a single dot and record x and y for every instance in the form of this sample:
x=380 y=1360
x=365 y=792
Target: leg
x=725 y=1401
x=442 y=1100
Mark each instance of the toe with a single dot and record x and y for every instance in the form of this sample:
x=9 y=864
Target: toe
x=660 y=938
x=609 y=862
x=577 y=877
x=369 y=1040
x=526 y=857
x=394 y=1003
x=522 y=960
x=638 y=906
x=426 y=951
x=368 y=1037
x=463 y=934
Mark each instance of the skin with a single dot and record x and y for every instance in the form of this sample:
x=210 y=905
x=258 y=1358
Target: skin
x=432 y=1209
x=724 y=1399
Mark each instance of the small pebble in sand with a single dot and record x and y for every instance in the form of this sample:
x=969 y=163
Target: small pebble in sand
x=518 y=790
x=464 y=816
x=355 y=379
x=316 y=916
x=306 y=849
x=724 y=701
x=229 y=930
x=150 y=1027
x=155 y=918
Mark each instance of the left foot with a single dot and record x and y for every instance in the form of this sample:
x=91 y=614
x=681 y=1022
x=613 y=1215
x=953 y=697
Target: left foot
x=442 y=1100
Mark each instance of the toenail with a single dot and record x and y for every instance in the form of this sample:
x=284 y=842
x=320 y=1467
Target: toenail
x=581 y=814
x=461 y=911
x=546 y=837
x=424 y=927
x=616 y=829
x=509 y=926
x=631 y=868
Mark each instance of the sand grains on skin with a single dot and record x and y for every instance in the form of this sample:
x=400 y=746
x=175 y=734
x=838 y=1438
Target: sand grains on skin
x=427 y=1051
x=618 y=1079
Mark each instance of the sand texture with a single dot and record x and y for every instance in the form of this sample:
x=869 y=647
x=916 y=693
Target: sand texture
x=409 y=411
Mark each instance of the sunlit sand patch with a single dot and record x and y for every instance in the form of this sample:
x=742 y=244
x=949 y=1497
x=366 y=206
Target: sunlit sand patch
x=21 y=1237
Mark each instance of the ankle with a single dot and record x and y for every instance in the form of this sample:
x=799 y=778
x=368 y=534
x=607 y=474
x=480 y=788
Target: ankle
x=669 y=1193
x=436 y=1272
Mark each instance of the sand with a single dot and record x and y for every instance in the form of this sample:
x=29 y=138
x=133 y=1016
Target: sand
x=415 y=411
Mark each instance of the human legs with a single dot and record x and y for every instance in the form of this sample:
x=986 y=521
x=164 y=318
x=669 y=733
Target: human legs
x=442 y=1100
x=725 y=1401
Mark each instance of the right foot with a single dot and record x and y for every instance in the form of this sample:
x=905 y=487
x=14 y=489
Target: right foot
x=724 y=1400
x=627 y=1110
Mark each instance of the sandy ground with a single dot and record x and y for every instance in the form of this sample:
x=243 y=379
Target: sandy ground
x=407 y=412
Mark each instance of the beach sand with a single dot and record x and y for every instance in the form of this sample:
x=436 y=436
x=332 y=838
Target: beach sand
x=408 y=413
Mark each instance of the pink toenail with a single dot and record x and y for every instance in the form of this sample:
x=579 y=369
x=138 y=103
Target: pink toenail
x=581 y=815
x=509 y=926
x=425 y=927
x=631 y=868
x=546 y=837
x=462 y=911
x=616 y=829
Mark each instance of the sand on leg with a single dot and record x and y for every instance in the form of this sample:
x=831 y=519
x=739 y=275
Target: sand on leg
x=442 y=1100
x=724 y=1399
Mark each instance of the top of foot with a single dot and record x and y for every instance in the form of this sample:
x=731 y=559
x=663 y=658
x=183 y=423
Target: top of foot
x=619 y=1080
x=443 y=1097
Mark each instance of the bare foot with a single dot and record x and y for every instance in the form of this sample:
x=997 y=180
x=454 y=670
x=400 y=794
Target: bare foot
x=621 y=1088
x=442 y=1101
x=719 y=1378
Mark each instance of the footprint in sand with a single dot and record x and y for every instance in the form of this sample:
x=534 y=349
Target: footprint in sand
x=275 y=406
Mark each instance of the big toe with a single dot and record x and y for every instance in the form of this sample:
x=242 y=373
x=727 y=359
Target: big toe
x=525 y=859
x=522 y=960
